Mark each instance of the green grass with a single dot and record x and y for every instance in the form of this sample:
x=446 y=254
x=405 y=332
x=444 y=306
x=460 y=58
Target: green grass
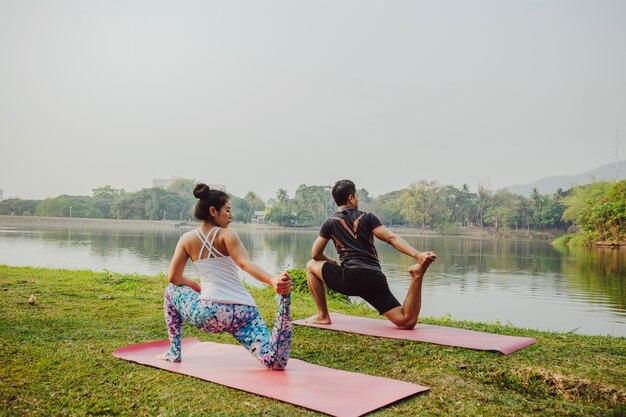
x=56 y=358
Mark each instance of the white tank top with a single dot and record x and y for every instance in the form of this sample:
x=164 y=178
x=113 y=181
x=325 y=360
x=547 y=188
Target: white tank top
x=219 y=277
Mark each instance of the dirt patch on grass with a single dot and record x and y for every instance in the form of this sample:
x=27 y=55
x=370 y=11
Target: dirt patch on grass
x=539 y=381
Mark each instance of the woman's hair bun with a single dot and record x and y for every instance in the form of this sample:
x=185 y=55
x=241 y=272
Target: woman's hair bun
x=201 y=190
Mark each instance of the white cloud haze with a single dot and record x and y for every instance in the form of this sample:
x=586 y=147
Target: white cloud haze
x=274 y=94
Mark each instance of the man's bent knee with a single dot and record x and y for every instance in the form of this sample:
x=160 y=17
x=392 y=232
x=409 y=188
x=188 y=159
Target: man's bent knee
x=315 y=267
x=397 y=317
x=407 y=324
x=310 y=264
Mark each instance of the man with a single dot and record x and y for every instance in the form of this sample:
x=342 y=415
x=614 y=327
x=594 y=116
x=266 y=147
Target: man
x=360 y=274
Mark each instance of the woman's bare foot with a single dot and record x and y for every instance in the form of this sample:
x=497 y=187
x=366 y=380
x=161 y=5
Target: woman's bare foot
x=317 y=319
x=165 y=357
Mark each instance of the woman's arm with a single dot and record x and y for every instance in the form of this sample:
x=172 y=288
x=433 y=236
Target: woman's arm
x=281 y=283
x=177 y=267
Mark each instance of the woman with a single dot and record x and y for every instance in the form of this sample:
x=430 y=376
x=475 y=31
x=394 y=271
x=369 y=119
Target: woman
x=221 y=303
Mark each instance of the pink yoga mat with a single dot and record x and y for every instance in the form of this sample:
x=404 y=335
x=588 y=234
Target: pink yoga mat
x=439 y=335
x=330 y=391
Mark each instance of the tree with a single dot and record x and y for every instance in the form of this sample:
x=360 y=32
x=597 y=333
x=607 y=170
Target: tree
x=459 y=204
x=254 y=203
x=387 y=207
x=282 y=196
x=18 y=207
x=550 y=215
x=499 y=216
x=366 y=201
x=503 y=209
x=282 y=211
x=604 y=219
x=104 y=197
x=581 y=198
x=483 y=195
x=240 y=209
x=313 y=204
x=465 y=202
x=391 y=214
x=537 y=202
x=151 y=204
x=183 y=187
x=107 y=192
x=280 y=217
x=68 y=206
x=423 y=204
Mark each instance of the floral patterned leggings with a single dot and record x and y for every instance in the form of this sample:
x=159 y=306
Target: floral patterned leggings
x=244 y=322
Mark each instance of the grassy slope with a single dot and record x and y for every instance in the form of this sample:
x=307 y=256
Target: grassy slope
x=56 y=358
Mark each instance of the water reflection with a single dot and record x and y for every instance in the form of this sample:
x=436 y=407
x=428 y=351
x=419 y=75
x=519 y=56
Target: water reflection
x=602 y=270
x=530 y=284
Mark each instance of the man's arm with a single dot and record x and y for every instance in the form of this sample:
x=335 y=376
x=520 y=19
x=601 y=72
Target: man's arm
x=317 y=251
x=386 y=235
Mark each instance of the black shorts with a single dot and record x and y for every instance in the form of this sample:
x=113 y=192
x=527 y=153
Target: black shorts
x=369 y=284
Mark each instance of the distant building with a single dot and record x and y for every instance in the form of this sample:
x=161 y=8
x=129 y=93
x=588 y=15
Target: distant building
x=259 y=216
x=164 y=183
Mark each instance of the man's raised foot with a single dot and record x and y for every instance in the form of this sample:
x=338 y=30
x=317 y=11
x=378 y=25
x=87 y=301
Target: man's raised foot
x=417 y=271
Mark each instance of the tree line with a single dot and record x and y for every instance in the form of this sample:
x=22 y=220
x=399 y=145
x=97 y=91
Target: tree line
x=596 y=210
x=427 y=204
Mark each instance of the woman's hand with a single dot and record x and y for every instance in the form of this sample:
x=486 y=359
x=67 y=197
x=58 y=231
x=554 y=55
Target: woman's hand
x=194 y=285
x=282 y=283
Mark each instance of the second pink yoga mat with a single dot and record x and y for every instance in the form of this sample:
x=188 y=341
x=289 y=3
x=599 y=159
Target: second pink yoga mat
x=330 y=391
x=439 y=335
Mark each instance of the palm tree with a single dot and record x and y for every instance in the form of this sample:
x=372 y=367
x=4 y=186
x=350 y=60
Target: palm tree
x=483 y=194
x=253 y=200
x=536 y=202
x=282 y=196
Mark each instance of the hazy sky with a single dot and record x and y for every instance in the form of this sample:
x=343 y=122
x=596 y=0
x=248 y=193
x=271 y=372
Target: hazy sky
x=261 y=95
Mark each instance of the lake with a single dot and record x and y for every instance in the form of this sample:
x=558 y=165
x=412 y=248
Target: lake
x=529 y=284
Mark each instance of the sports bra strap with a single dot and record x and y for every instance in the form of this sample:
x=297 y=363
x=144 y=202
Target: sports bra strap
x=213 y=249
x=204 y=241
x=212 y=252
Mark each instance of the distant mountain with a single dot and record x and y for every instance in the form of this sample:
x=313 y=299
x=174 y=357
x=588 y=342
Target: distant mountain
x=549 y=185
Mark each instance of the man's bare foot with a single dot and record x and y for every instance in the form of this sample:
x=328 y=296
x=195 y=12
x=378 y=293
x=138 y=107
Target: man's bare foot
x=317 y=319
x=417 y=270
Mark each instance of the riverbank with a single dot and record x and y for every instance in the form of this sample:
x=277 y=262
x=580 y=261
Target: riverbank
x=77 y=222
x=56 y=358
x=578 y=239
x=165 y=225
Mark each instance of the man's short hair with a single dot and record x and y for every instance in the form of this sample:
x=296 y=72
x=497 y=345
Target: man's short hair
x=342 y=190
